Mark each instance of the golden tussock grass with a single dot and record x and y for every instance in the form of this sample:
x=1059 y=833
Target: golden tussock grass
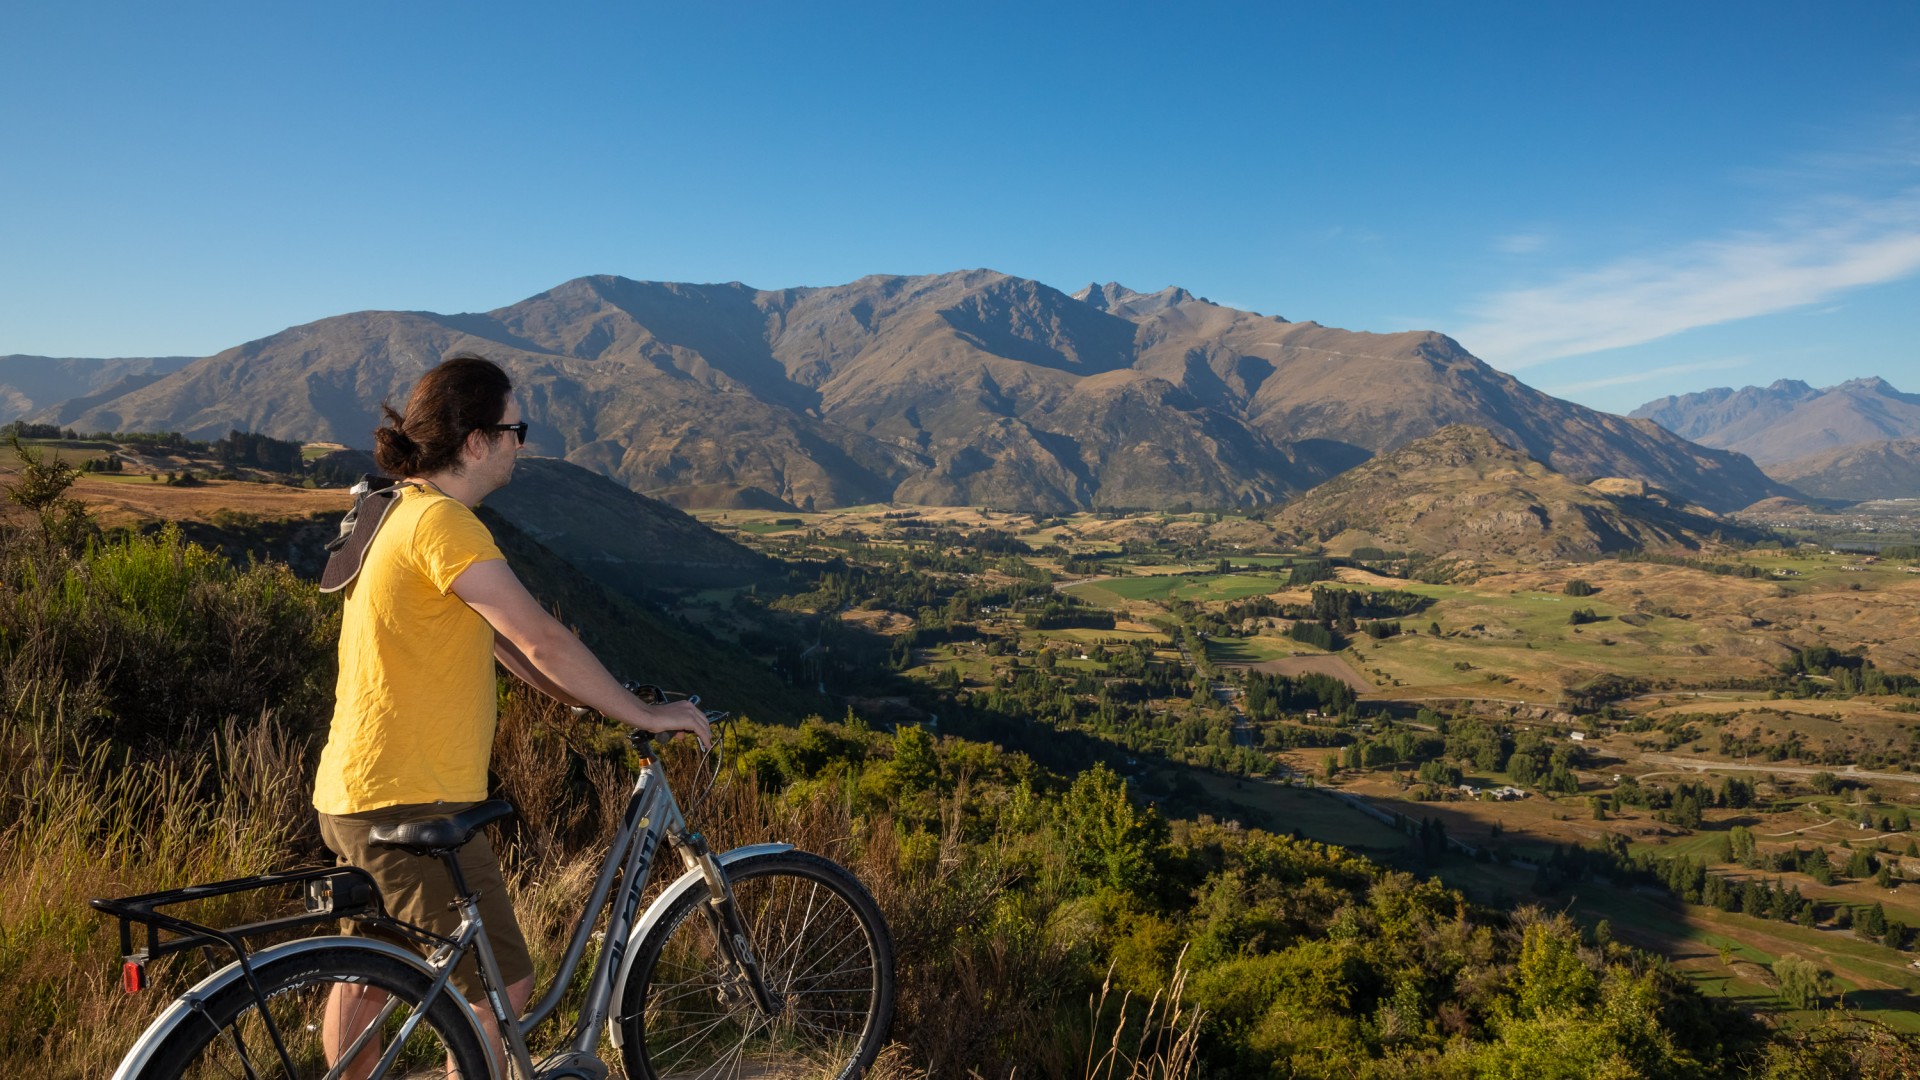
x=980 y=978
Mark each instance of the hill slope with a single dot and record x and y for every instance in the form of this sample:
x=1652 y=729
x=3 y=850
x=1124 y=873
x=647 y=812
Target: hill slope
x=30 y=384
x=969 y=387
x=636 y=545
x=1461 y=491
x=1789 y=420
x=1888 y=469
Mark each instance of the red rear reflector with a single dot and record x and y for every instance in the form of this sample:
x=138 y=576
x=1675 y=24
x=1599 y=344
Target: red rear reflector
x=133 y=977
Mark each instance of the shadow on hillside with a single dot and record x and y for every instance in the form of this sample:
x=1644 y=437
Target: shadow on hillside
x=1891 y=998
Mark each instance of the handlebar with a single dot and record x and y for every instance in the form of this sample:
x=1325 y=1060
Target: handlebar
x=649 y=694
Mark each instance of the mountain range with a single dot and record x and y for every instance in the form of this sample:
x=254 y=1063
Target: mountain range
x=29 y=384
x=1789 y=420
x=972 y=387
x=1886 y=469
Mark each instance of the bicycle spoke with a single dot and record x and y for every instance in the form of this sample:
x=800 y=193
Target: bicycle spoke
x=819 y=957
x=232 y=1038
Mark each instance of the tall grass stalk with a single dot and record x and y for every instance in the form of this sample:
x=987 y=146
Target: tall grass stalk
x=79 y=821
x=1166 y=1037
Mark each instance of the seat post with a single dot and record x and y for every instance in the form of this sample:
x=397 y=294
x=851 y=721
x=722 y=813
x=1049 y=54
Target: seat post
x=451 y=856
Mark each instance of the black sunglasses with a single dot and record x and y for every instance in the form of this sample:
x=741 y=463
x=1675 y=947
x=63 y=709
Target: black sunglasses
x=519 y=430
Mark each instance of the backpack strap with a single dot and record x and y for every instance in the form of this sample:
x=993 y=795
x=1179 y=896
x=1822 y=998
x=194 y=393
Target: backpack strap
x=373 y=496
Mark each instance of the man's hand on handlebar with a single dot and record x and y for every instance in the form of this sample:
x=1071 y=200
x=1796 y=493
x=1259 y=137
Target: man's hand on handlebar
x=667 y=717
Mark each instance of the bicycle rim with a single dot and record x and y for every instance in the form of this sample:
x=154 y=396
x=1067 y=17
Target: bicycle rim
x=826 y=960
x=229 y=1039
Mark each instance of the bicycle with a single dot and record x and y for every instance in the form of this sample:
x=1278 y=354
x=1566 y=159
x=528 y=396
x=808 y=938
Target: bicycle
x=762 y=961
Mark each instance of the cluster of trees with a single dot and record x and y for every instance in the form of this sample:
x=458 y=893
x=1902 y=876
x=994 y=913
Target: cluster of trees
x=1307 y=571
x=1318 y=635
x=1851 y=672
x=1689 y=879
x=1549 y=766
x=1271 y=697
x=1393 y=745
x=20 y=429
x=159 y=440
x=1060 y=611
x=237 y=450
x=1306 y=960
x=244 y=448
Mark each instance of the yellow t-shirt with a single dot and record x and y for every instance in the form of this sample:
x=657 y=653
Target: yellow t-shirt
x=414 y=708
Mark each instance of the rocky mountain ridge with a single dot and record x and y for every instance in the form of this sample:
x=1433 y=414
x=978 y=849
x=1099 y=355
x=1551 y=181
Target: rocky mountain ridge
x=30 y=384
x=1788 y=420
x=1886 y=469
x=970 y=387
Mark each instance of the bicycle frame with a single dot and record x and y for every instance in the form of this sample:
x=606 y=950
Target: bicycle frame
x=652 y=815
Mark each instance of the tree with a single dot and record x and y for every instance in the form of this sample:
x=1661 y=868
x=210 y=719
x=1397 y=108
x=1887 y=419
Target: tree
x=1861 y=864
x=1113 y=843
x=1871 y=923
x=1803 y=983
x=1551 y=976
x=41 y=486
x=1740 y=845
x=914 y=761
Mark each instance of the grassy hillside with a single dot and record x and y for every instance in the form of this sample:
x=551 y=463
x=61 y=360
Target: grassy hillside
x=1038 y=910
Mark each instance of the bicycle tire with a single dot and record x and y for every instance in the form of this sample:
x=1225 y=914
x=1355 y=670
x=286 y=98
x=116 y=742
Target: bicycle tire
x=226 y=1037
x=825 y=954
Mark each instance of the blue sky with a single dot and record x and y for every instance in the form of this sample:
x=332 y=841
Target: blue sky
x=1613 y=202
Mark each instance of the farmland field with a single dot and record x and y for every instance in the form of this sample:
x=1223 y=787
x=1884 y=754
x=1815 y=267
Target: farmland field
x=1316 y=815
x=1161 y=587
x=1335 y=666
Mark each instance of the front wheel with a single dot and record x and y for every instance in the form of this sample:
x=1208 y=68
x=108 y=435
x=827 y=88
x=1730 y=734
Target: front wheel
x=227 y=1037
x=826 y=960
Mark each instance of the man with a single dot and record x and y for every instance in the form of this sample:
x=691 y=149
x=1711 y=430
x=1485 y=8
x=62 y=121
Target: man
x=433 y=607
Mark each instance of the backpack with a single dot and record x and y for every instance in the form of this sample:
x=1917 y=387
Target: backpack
x=373 y=496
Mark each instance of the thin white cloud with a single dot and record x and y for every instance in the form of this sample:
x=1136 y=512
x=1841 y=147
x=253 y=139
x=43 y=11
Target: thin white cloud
x=1642 y=299
x=1520 y=243
x=1648 y=375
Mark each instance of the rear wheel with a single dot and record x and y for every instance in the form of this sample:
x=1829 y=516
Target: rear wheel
x=826 y=959
x=227 y=1037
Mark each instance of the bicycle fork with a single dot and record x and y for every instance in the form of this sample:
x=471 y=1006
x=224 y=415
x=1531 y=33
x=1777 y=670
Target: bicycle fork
x=730 y=931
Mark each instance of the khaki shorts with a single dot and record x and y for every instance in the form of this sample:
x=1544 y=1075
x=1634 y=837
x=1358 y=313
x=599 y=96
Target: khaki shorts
x=419 y=890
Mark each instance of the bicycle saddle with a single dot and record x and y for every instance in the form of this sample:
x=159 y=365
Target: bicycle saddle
x=429 y=836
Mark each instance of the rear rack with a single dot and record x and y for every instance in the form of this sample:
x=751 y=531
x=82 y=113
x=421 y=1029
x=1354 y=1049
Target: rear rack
x=332 y=892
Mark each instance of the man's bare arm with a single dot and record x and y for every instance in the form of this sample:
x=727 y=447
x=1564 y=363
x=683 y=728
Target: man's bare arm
x=556 y=658
x=515 y=661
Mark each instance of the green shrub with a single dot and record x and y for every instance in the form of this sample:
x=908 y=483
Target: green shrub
x=155 y=641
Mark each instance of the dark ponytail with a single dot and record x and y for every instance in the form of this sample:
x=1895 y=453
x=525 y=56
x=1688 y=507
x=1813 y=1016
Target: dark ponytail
x=461 y=395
